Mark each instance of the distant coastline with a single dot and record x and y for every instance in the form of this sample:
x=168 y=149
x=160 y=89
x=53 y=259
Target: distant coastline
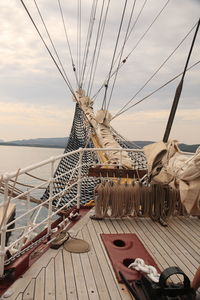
x=61 y=142
x=28 y=145
x=40 y=142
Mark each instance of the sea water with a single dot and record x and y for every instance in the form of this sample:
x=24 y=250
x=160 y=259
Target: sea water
x=13 y=158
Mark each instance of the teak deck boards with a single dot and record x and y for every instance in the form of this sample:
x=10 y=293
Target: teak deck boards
x=59 y=274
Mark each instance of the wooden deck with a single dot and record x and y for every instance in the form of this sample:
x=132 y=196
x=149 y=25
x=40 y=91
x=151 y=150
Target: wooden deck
x=60 y=275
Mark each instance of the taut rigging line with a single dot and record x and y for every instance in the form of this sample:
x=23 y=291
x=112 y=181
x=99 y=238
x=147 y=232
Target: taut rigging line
x=88 y=40
x=138 y=42
x=152 y=76
x=54 y=48
x=121 y=51
x=162 y=86
x=113 y=58
x=100 y=36
x=68 y=44
x=47 y=48
x=179 y=90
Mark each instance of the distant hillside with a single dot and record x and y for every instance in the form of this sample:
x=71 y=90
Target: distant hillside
x=40 y=142
x=183 y=147
x=188 y=148
x=61 y=142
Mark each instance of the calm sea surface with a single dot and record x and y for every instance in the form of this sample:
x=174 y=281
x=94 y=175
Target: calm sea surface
x=15 y=157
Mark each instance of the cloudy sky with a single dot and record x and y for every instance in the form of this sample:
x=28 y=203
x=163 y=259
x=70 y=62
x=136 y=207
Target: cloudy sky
x=36 y=102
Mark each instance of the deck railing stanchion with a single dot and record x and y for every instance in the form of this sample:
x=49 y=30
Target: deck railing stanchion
x=79 y=178
x=3 y=227
x=50 y=196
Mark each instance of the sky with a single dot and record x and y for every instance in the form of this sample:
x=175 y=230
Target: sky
x=35 y=100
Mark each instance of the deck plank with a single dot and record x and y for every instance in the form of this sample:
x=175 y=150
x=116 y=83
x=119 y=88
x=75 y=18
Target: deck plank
x=120 y=289
x=39 y=285
x=59 y=274
x=186 y=231
x=95 y=265
x=29 y=291
x=189 y=255
x=69 y=276
x=79 y=277
x=60 y=277
x=153 y=246
x=105 y=267
x=172 y=249
x=19 y=297
x=50 y=281
x=20 y=284
x=89 y=276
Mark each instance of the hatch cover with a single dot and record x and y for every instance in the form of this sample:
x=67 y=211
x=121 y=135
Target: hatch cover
x=122 y=250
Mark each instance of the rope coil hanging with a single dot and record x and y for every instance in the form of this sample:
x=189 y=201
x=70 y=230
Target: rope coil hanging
x=117 y=200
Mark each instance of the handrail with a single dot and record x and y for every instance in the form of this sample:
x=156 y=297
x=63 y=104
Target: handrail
x=55 y=158
x=51 y=211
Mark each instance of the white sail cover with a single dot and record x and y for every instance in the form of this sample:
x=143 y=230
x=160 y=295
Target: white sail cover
x=167 y=165
x=101 y=125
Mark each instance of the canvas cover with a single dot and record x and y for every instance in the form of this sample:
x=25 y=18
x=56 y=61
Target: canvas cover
x=101 y=126
x=168 y=165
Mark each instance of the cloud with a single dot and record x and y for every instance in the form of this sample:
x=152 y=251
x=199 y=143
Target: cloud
x=20 y=120
x=30 y=83
x=150 y=125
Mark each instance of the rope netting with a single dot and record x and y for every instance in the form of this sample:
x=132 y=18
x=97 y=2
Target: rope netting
x=67 y=170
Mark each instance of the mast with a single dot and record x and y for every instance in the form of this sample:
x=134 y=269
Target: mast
x=178 y=91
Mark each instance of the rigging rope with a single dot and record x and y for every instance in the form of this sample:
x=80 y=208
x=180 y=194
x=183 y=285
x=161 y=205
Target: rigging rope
x=179 y=90
x=47 y=48
x=68 y=44
x=113 y=58
x=131 y=144
x=121 y=52
x=95 y=48
x=88 y=40
x=153 y=75
x=79 y=38
x=162 y=86
x=100 y=43
x=51 y=41
x=138 y=42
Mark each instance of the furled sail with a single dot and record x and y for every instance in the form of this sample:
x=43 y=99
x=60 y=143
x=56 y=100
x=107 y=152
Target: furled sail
x=167 y=165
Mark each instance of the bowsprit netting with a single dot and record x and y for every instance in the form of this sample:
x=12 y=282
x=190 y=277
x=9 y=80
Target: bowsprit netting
x=67 y=171
x=64 y=174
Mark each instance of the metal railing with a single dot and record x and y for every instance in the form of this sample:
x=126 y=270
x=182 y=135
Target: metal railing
x=28 y=223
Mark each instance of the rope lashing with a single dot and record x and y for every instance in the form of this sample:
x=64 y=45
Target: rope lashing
x=117 y=200
x=150 y=271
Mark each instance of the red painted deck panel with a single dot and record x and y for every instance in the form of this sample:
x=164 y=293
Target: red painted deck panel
x=122 y=250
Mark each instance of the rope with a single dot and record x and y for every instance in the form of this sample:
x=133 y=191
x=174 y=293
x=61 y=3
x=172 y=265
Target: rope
x=113 y=58
x=155 y=91
x=153 y=75
x=79 y=39
x=48 y=50
x=27 y=185
x=88 y=41
x=100 y=43
x=156 y=201
x=119 y=56
x=35 y=177
x=178 y=91
x=125 y=59
x=95 y=50
x=68 y=44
